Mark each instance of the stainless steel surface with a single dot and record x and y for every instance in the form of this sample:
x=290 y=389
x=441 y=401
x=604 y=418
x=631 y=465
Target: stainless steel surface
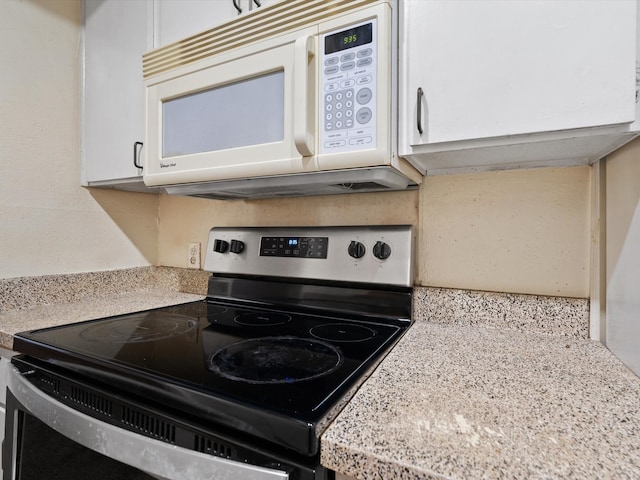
x=339 y=264
x=159 y=459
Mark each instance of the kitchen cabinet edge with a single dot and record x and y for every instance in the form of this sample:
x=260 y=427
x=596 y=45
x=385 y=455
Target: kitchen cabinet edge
x=556 y=149
x=132 y=184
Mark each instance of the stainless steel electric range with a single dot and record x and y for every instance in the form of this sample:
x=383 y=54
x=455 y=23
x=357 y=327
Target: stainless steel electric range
x=240 y=385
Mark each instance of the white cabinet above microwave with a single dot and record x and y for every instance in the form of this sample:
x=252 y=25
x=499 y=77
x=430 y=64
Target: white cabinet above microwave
x=295 y=99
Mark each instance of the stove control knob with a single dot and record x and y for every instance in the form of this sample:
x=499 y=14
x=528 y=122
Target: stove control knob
x=220 y=246
x=237 y=246
x=356 y=249
x=381 y=250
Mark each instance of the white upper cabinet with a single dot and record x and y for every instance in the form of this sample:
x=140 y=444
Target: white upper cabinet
x=489 y=84
x=178 y=19
x=503 y=83
x=116 y=34
x=115 y=37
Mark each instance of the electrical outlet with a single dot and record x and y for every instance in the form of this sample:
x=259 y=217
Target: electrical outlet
x=193 y=258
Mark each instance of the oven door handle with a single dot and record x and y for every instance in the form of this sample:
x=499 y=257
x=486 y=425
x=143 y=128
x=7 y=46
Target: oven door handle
x=157 y=458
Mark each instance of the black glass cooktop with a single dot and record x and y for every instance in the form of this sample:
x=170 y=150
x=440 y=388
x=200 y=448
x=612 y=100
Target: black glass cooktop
x=228 y=362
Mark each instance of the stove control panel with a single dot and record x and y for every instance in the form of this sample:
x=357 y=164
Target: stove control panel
x=294 y=247
x=368 y=254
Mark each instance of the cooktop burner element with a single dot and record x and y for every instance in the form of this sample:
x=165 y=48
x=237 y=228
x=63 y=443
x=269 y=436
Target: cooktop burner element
x=262 y=319
x=214 y=310
x=137 y=328
x=342 y=332
x=274 y=360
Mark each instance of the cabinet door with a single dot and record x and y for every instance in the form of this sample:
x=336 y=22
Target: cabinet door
x=178 y=19
x=501 y=68
x=263 y=3
x=252 y=5
x=115 y=37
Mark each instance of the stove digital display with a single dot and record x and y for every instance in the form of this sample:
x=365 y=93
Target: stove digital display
x=296 y=247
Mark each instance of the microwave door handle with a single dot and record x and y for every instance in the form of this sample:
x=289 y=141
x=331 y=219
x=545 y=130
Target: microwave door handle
x=304 y=95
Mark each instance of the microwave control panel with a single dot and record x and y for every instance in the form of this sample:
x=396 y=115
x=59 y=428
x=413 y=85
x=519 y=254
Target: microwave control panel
x=348 y=89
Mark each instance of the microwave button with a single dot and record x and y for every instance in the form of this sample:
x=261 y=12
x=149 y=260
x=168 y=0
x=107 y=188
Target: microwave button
x=363 y=115
x=348 y=66
x=329 y=107
x=339 y=96
x=328 y=126
x=348 y=113
x=331 y=87
x=363 y=80
x=328 y=116
x=338 y=114
x=348 y=122
x=334 y=144
x=338 y=124
x=328 y=98
x=331 y=70
x=364 y=96
x=331 y=61
x=365 y=52
x=347 y=57
x=339 y=106
x=360 y=141
x=348 y=83
x=348 y=104
x=365 y=62
x=349 y=93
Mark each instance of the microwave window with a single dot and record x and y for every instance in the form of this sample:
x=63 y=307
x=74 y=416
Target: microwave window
x=239 y=114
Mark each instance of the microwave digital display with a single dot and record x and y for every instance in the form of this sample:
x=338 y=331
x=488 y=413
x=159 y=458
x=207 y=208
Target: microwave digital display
x=350 y=38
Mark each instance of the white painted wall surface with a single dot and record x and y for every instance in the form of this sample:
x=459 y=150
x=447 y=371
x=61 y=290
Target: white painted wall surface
x=623 y=254
x=48 y=223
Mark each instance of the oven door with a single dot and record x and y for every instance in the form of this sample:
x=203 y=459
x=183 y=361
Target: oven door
x=45 y=439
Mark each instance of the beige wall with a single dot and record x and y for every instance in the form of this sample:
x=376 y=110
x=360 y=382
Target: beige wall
x=48 y=223
x=524 y=231
x=519 y=231
x=184 y=220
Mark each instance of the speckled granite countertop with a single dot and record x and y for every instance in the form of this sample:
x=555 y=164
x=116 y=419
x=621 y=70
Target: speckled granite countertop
x=30 y=303
x=483 y=385
x=463 y=401
x=51 y=315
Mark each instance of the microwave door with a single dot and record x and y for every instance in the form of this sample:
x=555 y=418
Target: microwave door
x=238 y=114
x=245 y=115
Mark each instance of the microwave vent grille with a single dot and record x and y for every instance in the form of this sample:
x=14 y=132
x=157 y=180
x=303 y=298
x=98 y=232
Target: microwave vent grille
x=262 y=23
x=364 y=186
x=319 y=183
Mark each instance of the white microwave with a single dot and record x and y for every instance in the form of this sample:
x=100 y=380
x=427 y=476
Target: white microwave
x=298 y=98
